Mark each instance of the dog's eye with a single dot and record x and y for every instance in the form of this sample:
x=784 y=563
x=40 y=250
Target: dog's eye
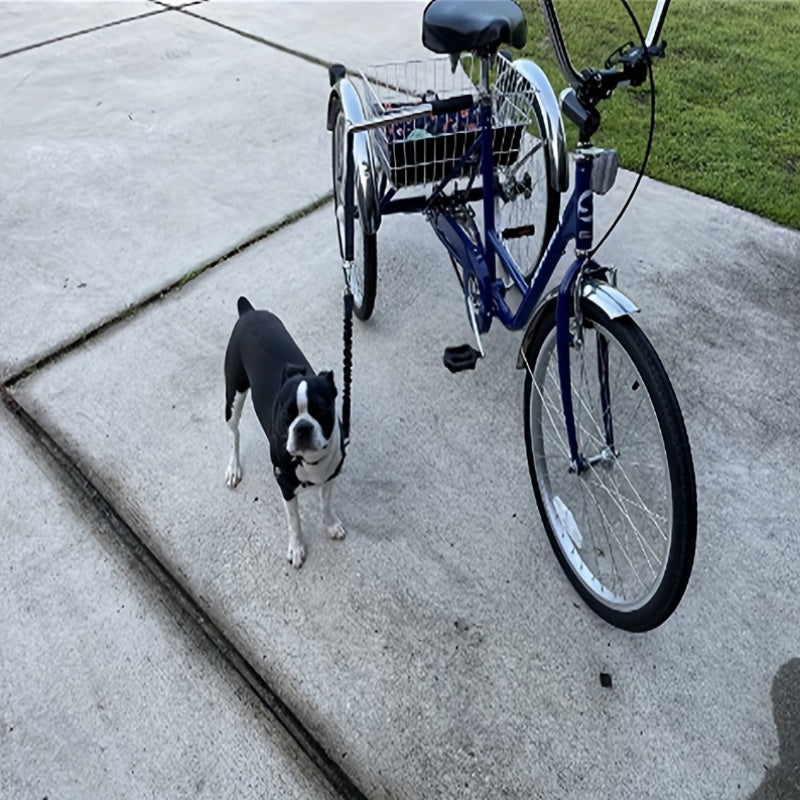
x=316 y=410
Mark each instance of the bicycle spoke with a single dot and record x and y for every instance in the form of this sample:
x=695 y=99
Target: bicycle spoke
x=616 y=501
x=608 y=530
x=612 y=520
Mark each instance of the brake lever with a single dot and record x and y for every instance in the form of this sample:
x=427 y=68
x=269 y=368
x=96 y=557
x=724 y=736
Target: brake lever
x=634 y=60
x=620 y=55
x=629 y=55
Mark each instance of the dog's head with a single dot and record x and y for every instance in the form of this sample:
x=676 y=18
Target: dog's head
x=309 y=405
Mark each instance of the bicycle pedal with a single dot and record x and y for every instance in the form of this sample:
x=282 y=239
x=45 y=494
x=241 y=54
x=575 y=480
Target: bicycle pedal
x=460 y=357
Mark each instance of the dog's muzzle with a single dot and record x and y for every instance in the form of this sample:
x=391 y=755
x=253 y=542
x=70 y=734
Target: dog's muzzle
x=305 y=436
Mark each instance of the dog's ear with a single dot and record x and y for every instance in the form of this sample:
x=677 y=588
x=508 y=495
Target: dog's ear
x=290 y=370
x=328 y=376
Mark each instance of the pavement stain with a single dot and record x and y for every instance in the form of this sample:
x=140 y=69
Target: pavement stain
x=782 y=782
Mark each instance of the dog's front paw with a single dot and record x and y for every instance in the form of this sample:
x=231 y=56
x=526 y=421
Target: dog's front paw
x=335 y=529
x=233 y=474
x=297 y=554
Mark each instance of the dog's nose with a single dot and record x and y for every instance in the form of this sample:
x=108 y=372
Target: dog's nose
x=302 y=436
x=303 y=429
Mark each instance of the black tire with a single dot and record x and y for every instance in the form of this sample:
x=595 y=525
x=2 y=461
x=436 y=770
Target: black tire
x=624 y=529
x=364 y=277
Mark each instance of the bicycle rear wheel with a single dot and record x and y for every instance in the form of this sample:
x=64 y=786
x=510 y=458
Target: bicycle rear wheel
x=364 y=276
x=526 y=204
x=624 y=525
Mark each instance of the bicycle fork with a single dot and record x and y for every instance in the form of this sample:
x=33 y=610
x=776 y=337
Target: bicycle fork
x=568 y=306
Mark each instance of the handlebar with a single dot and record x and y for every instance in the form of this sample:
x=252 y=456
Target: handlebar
x=628 y=65
x=575 y=78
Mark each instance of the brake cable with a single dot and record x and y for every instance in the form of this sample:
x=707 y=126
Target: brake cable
x=648 y=147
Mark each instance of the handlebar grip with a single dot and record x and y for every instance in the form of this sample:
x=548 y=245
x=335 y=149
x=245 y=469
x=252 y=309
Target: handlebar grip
x=452 y=104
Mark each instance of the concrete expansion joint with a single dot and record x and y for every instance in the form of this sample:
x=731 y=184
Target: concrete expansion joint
x=160 y=294
x=180 y=599
x=162 y=8
x=83 y=32
x=254 y=37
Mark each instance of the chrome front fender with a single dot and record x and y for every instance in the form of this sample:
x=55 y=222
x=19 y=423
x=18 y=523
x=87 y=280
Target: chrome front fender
x=366 y=191
x=607 y=298
x=551 y=122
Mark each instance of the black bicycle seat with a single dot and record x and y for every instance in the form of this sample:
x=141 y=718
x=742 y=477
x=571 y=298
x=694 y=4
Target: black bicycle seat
x=456 y=26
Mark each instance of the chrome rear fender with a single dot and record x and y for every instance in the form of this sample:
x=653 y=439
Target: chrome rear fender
x=551 y=122
x=366 y=191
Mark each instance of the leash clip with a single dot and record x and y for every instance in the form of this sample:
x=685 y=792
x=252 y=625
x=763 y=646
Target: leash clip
x=347 y=269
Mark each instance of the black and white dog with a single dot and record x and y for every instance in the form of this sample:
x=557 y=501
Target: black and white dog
x=297 y=410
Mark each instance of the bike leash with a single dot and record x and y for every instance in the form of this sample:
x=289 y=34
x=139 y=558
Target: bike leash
x=347 y=363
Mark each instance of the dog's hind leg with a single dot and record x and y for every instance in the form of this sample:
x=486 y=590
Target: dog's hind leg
x=233 y=474
x=297 y=550
x=333 y=525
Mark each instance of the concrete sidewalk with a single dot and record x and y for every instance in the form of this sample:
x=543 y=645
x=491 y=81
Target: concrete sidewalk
x=158 y=161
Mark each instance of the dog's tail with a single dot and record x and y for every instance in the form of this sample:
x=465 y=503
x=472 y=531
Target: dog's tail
x=244 y=305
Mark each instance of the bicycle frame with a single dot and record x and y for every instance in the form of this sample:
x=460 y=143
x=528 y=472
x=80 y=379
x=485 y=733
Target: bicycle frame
x=479 y=256
x=479 y=261
x=629 y=559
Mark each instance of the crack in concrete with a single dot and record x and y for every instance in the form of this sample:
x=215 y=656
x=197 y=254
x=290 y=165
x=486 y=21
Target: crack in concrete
x=320 y=62
x=162 y=9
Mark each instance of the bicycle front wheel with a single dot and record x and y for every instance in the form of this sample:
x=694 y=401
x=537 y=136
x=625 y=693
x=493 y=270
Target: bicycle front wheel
x=623 y=525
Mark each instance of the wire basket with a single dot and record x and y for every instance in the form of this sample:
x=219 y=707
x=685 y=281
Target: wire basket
x=425 y=150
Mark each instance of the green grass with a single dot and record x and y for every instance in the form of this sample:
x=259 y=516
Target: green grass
x=728 y=105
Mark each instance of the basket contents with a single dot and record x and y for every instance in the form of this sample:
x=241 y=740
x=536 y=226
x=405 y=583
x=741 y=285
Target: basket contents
x=427 y=149
x=432 y=125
